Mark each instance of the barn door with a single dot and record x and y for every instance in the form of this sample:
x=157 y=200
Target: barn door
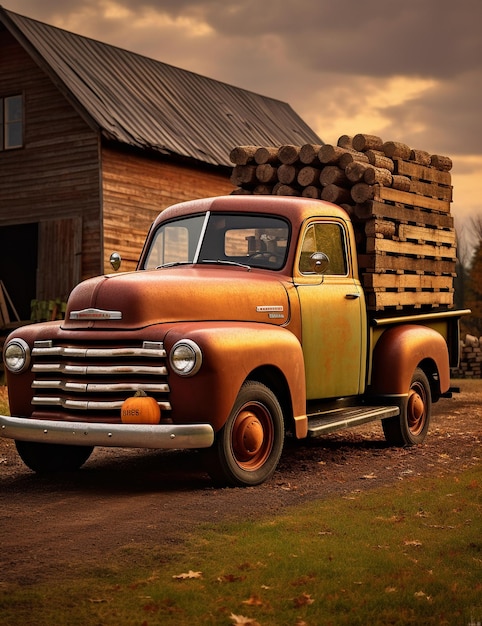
x=59 y=258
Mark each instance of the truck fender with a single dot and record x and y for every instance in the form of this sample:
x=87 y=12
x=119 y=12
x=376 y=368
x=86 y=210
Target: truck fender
x=403 y=348
x=232 y=353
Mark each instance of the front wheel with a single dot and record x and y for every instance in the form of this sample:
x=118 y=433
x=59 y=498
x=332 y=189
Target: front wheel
x=411 y=426
x=45 y=458
x=248 y=447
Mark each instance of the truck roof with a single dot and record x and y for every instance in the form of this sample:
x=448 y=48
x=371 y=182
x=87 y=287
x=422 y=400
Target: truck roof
x=293 y=208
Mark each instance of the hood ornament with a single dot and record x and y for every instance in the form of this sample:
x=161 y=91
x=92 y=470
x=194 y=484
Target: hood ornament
x=95 y=314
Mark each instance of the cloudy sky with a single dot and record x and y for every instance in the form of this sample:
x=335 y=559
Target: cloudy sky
x=405 y=70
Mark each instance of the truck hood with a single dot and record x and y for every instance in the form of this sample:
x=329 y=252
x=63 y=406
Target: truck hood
x=185 y=293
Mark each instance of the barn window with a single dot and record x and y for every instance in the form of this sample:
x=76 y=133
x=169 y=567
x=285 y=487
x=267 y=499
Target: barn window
x=11 y=111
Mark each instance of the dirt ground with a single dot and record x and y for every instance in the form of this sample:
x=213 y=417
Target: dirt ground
x=123 y=498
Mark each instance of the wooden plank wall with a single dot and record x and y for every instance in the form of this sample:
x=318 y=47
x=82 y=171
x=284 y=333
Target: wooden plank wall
x=59 y=257
x=136 y=190
x=55 y=176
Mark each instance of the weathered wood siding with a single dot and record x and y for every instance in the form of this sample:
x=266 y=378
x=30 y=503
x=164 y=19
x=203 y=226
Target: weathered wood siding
x=60 y=261
x=136 y=190
x=53 y=178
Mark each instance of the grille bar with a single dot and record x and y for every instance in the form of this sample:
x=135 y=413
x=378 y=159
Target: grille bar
x=99 y=370
x=99 y=387
x=99 y=353
x=86 y=405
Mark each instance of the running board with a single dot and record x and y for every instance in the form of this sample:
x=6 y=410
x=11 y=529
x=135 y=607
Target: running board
x=331 y=421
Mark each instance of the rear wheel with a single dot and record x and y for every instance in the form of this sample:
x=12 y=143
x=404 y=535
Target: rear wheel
x=248 y=447
x=411 y=426
x=44 y=458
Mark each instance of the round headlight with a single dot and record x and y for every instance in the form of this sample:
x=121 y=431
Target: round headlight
x=16 y=356
x=185 y=357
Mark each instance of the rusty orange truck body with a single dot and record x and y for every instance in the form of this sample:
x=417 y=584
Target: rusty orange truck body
x=246 y=321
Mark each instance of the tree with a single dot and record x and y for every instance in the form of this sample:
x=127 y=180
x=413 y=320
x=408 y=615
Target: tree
x=468 y=284
x=473 y=292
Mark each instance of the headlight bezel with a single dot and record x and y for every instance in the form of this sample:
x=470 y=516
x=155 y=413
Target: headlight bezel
x=22 y=358
x=188 y=351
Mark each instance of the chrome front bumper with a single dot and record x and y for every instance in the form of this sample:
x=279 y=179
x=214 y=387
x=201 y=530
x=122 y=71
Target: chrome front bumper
x=162 y=436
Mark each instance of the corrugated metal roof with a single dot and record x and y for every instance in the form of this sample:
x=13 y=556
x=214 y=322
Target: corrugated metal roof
x=144 y=103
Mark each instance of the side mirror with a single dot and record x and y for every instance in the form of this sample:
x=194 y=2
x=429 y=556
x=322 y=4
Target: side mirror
x=115 y=261
x=319 y=262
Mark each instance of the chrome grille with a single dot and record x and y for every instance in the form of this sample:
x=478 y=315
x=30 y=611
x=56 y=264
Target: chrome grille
x=91 y=383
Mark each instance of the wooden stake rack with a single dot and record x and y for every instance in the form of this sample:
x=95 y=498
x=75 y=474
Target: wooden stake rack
x=398 y=199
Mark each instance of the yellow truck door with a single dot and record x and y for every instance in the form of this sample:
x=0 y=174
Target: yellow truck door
x=332 y=312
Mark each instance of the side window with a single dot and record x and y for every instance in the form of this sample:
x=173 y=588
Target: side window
x=328 y=238
x=11 y=112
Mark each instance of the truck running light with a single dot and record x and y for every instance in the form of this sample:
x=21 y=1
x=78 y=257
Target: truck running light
x=185 y=357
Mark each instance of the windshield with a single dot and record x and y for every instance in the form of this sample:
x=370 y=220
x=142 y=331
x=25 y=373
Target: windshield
x=252 y=240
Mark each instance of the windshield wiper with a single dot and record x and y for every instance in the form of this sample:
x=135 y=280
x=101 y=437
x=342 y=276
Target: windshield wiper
x=173 y=264
x=223 y=262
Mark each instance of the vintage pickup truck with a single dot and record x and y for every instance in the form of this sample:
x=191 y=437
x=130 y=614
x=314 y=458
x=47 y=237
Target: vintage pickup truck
x=246 y=321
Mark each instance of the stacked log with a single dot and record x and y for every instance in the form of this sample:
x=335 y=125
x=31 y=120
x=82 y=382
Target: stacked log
x=397 y=197
x=470 y=365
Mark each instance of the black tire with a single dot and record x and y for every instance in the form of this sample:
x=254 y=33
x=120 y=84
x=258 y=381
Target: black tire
x=45 y=458
x=411 y=426
x=248 y=447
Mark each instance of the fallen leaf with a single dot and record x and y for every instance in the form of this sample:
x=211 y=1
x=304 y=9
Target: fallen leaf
x=189 y=574
x=422 y=594
x=368 y=476
x=242 y=620
x=230 y=578
x=253 y=601
x=303 y=600
x=414 y=543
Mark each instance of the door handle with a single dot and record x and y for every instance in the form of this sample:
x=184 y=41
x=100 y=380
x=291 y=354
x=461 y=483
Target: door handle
x=352 y=296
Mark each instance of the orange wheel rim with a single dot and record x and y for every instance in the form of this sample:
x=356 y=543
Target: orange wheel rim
x=252 y=436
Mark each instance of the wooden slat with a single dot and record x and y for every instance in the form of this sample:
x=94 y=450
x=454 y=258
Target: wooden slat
x=382 y=300
x=431 y=190
x=380 y=263
x=403 y=282
x=421 y=234
x=420 y=172
x=409 y=199
x=408 y=248
x=403 y=214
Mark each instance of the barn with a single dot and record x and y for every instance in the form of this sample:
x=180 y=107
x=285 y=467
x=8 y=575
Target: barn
x=95 y=141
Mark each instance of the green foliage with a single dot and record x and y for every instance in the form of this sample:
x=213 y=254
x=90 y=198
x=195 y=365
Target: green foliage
x=408 y=554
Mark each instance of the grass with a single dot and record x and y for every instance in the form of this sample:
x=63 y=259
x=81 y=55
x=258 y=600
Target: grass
x=4 y=409
x=410 y=554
